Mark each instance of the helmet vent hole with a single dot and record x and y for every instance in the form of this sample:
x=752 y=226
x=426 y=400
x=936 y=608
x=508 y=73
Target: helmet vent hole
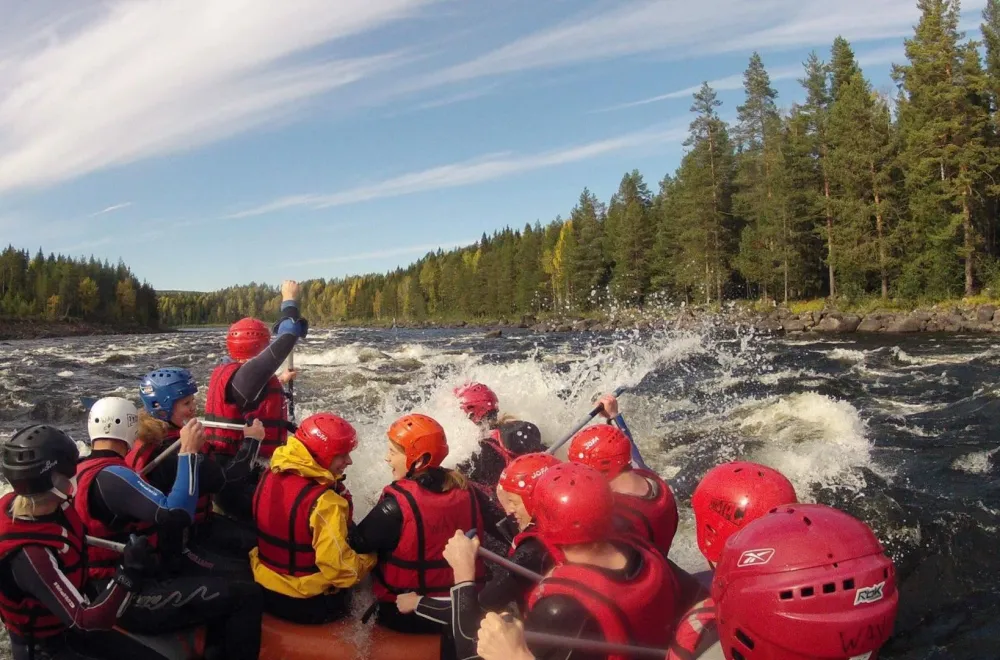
x=849 y=584
x=744 y=639
x=737 y=470
x=117 y=421
x=829 y=587
x=807 y=521
x=885 y=573
x=786 y=595
x=736 y=654
x=808 y=592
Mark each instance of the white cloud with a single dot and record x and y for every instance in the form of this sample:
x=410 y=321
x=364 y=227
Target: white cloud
x=85 y=89
x=681 y=30
x=111 y=209
x=382 y=254
x=880 y=56
x=466 y=173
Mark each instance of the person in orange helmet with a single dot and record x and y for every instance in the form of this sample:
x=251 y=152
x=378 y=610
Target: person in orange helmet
x=245 y=386
x=414 y=519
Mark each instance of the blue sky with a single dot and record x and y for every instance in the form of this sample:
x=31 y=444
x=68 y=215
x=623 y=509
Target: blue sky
x=210 y=143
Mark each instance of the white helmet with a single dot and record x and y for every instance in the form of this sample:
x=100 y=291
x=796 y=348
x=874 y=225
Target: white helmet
x=113 y=418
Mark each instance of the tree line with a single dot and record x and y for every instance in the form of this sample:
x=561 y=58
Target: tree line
x=58 y=287
x=849 y=194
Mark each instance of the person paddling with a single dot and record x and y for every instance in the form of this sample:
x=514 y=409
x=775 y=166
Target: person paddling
x=245 y=386
x=413 y=520
x=728 y=498
x=504 y=588
x=303 y=510
x=114 y=502
x=43 y=554
x=168 y=398
x=644 y=503
x=610 y=588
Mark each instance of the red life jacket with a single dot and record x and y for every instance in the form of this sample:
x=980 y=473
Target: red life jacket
x=652 y=519
x=143 y=453
x=25 y=616
x=696 y=632
x=282 y=505
x=640 y=611
x=272 y=412
x=554 y=551
x=101 y=562
x=429 y=521
x=341 y=489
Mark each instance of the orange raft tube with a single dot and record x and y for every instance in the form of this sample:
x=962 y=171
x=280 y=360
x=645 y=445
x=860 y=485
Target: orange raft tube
x=348 y=639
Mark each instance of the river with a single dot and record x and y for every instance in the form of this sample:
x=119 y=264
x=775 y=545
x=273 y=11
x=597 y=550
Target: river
x=898 y=430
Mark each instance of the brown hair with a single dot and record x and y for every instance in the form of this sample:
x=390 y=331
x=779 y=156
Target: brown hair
x=452 y=479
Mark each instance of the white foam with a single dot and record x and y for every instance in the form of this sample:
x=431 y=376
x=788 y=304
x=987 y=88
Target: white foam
x=65 y=374
x=978 y=462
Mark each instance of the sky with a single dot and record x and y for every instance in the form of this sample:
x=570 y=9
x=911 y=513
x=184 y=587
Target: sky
x=217 y=143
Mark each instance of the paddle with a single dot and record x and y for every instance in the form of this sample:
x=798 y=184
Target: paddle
x=592 y=645
x=592 y=415
x=636 y=456
x=176 y=444
x=291 y=388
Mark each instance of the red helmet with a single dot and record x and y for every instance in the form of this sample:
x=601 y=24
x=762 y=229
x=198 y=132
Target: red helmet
x=521 y=475
x=247 y=338
x=805 y=581
x=603 y=447
x=731 y=495
x=327 y=436
x=419 y=435
x=477 y=401
x=573 y=504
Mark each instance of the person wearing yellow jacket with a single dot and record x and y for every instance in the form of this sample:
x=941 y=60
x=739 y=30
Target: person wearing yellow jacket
x=302 y=510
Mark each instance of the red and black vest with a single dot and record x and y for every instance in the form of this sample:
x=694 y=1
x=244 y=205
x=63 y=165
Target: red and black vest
x=272 y=412
x=640 y=611
x=282 y=505
x=101 y=562
x=654 y=520
x=696 y=632
x=429 y=521
x=143 y=453
x=24 y=616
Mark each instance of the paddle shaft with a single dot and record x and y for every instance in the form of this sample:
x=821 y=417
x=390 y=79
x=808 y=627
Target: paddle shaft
x=591 y=645
x=176 y=444
x=106 y=544
x=291 y=387
x=593 y=413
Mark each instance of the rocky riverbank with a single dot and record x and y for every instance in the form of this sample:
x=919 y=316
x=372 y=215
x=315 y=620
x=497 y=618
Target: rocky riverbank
x=41 y=329
x=969 y=318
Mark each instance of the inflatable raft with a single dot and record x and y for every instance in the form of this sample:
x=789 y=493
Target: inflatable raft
x=280 y=640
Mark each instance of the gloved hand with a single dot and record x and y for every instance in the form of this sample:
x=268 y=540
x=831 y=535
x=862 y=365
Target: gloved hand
x=137 y=559
x=288 y=325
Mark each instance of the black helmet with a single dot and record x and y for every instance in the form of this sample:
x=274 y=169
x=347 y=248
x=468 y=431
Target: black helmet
x=30 y=457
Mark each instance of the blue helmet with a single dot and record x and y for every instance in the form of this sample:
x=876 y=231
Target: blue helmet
x=161 y=389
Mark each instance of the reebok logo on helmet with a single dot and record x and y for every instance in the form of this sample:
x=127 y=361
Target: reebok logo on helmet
x=871 y=594
x=755 y=557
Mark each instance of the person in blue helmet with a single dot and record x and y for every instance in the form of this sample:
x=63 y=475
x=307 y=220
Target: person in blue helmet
x=114 y=502
x=168 y=398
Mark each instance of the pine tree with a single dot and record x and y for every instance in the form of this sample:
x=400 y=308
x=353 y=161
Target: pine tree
x=815 y=114
x=843 y=66
x=758 y=125
x=629 y=217
x=862 y=163
x=588 y=266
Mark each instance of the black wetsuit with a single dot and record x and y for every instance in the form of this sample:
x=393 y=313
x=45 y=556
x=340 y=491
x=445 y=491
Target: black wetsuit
x=182 y=593
x=34 y=570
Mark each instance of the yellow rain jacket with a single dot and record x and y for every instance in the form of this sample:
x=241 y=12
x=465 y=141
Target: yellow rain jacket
x=339 y=566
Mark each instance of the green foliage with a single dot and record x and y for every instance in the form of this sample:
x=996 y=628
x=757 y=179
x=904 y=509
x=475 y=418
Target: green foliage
x=64 y=288
x=867 y=201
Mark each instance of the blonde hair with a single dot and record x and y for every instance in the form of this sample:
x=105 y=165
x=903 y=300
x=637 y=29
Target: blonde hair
x=27 y=506
x=151 y=431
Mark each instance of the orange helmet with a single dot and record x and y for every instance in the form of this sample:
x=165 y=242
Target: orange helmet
x=419 y=435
